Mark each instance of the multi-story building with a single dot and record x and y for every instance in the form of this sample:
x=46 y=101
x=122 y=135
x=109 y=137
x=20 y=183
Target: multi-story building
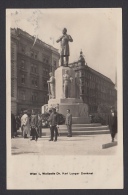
x=31 y=62
x=94 y=88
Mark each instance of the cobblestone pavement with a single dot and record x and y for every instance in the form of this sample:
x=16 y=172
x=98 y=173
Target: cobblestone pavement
x=77 y=145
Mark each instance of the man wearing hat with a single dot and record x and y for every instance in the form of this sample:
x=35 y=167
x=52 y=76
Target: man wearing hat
x=25 y=126
x=68 y=123
x=33 y=123
x=54 y=122
x=112 y=122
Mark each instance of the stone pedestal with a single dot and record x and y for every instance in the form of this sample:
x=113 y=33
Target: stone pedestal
x=59 y=82
x=78 y=109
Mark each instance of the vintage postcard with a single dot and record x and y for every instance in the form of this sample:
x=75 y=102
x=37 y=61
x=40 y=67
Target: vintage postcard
x=64 y=98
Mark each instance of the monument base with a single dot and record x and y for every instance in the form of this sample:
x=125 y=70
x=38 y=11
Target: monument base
x=78 y=109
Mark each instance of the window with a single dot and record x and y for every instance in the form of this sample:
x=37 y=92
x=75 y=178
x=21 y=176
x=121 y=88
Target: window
x=46 y=59
x=23 y=49
x=34 y=96
x=23 y=97
x=12 y=53
x=34 y=82
x=12 y=68
x=43 y=82
x=45 y=72
x=22 y=79
x=33 y=68
x=54 y=63
x=12 y=87
x=32 y=54
x=36 y=56
x=22 y=64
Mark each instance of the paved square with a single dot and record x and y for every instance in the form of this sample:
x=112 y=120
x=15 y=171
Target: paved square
x=76 y=145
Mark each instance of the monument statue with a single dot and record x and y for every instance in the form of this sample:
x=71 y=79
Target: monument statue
x=77 y=85
x=51 y=86
x=67 y=80
x=64 y=52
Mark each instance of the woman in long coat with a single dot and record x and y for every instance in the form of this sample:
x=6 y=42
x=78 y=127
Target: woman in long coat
x=25 y=126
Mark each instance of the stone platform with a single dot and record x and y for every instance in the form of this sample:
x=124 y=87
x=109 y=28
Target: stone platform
x=74 y=102
x=78 y=109
x=80 y=130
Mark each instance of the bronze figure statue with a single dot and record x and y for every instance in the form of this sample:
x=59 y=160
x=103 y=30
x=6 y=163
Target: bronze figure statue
x=64 y=52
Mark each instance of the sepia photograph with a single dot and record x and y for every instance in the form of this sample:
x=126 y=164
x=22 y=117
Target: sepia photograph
x=64 y=98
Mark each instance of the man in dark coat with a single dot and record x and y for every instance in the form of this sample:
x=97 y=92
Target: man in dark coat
x=13 y=125
x=54 y=122
x=112 y=122
x=39 y=124
x=50 y=112
x=68 y=122
x=33 y=124
x=18 y=122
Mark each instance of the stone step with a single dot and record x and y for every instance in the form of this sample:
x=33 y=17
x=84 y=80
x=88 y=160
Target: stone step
x=77 y=130
x=86 y=125
x=74 y=133
x=100 y=128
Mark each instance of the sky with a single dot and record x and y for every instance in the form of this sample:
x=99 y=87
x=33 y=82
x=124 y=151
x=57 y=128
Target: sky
x=94 y=31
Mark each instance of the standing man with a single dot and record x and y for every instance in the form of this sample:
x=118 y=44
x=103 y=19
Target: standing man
x=54 y=122
x=50 y=112
x=33 y=124
x=18 y=122
x=64 y=52
x=112 y=122
x=39 y=123
x=25 y=126
x=13 y=125
x=68 y=122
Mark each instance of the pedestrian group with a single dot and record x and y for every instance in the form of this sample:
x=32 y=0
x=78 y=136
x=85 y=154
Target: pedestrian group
x=31 y=125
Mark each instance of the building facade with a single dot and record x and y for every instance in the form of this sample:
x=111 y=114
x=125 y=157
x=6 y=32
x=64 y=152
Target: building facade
x=31 y=62
x=94 y=88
